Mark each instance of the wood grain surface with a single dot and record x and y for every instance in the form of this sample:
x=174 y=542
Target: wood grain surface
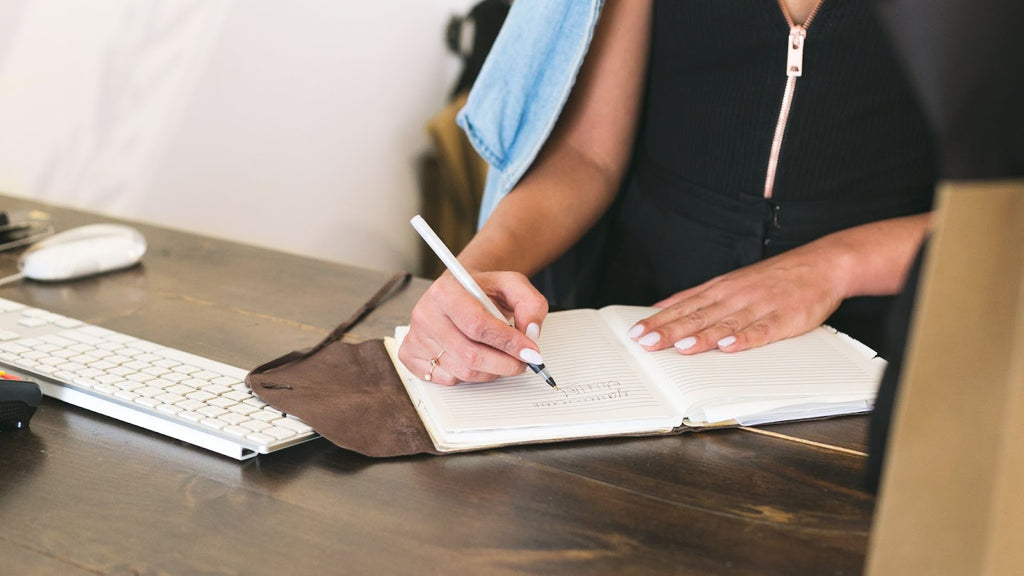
x=81 y=493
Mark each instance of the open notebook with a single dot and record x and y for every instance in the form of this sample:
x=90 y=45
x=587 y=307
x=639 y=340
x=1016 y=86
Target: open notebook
x=609 y=386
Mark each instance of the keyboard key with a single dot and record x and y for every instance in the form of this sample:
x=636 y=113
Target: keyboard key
x=147 y=401
x=190 y=405
x=216 y=389
x=239 y=431
x=168 y=409
x=238 y=395
x=180 y=389
x=212 y=411
x=221 y=402
x=149 y=392
x=161 y=383
x=59 y=341
x=298 y=426
x=213 y=423
x=278 y=432
x=265 y=415
x=232 y=418
x=190 y=416
x=255 y=425
x=129 y=385
x=13 y=348
x=31 y=322
x=200 y=395
x=170 y=398
x=260 y=438
x=85 y=382
x=244 y=408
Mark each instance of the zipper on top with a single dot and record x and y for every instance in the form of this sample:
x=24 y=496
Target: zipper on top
x=794 y=69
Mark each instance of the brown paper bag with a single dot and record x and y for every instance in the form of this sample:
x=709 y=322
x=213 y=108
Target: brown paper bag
x=950 y=499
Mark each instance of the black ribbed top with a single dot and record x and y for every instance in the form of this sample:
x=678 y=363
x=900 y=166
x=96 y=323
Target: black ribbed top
x=716 y=82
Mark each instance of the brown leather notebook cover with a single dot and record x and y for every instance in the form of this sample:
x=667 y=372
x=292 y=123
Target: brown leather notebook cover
x=349 y=393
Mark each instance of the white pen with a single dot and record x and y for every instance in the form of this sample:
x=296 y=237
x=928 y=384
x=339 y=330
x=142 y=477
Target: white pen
x=467 y=282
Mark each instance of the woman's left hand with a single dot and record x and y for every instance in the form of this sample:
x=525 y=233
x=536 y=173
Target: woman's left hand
x=783 y=296
x=786 y=295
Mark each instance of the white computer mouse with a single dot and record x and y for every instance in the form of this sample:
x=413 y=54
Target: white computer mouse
x=83 y=251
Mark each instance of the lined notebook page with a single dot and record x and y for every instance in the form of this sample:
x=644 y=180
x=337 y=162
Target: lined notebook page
x=600 y=392
x=821 y=373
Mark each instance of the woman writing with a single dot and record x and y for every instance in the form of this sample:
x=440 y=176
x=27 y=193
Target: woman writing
x=762 y=167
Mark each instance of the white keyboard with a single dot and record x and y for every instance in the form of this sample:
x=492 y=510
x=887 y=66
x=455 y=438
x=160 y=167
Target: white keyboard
x=181 y=395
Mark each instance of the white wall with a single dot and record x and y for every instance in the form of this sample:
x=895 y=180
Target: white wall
x=293 y=124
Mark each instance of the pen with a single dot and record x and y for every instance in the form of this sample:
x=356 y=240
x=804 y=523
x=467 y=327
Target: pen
x=467 y=282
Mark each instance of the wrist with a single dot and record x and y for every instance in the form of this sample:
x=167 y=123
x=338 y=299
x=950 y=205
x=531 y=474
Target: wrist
x=847 y=268
x=493 y=250
x=872 y=259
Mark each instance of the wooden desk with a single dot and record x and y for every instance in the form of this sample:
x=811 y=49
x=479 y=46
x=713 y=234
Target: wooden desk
x=84 y=494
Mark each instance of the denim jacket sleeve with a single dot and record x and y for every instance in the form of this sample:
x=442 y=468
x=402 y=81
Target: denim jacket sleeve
x=523 y=86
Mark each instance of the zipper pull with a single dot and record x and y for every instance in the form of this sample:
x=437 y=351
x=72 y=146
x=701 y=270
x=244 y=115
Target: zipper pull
x=795 y=54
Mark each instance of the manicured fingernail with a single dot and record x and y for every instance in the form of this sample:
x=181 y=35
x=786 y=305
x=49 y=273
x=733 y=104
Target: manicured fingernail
x=686 y=343
x=727 y=341
x=635 y=331
x=533 y=331
x=530 y=356
x=650 y=339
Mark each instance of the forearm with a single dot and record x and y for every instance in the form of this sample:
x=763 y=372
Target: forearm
x=578 y=172
x=553 y=206
x=873 y=259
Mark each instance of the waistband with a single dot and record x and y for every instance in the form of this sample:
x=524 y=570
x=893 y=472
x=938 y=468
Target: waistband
x=750 y=215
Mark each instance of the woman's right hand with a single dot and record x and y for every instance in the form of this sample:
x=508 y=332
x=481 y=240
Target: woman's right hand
x=469 y=344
